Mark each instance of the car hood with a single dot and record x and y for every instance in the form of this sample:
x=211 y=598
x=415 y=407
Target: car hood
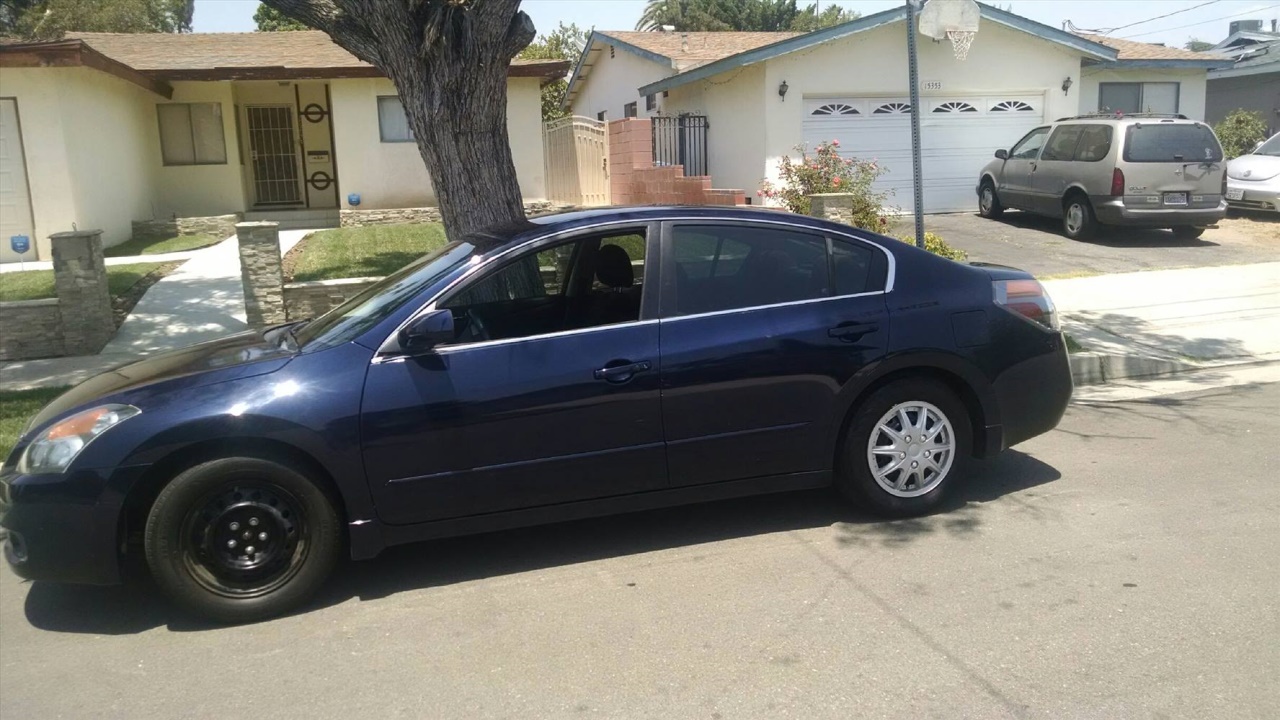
x=242 y=355
x=1254 y=167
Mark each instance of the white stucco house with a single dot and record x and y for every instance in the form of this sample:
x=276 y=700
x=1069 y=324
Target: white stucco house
x=99 y=130
x=762 y=94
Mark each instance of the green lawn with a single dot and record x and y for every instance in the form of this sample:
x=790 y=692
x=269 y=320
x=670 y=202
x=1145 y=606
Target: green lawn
x=372 y=251
x=155 y=246
x=36 y=284
x=15 y=408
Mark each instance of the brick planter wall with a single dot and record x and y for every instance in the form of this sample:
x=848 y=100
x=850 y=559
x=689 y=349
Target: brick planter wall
x=32 y=329
x=219 y=226
x=398 y=216
x=311 y=299
x=633 y=179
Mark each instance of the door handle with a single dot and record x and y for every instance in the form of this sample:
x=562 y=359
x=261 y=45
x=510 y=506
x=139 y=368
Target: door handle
x=848 y=332
x=622 y=371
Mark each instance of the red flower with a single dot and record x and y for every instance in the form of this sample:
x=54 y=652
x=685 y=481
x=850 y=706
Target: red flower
x=835 y=181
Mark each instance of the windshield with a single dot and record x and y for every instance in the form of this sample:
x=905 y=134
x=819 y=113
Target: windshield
x=1270 y=147
x=352 y=318
x=1154 y=142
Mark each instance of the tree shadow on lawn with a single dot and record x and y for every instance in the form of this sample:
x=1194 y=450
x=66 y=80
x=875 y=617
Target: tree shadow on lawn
x=1108 y=236
x=137 y=606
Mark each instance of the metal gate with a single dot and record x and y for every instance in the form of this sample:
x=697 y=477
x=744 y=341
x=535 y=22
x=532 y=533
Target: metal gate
x=273 y=152
x=681 y=141
x=576 y=154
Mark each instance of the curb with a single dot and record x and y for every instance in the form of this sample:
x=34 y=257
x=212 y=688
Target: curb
x=1094 y=368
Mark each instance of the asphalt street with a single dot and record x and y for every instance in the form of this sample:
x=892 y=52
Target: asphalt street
x=1124 y=565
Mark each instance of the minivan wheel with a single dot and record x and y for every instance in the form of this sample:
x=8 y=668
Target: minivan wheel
x=904 y=447
x=1187 y=232
x=988 y=202
x=241 y=539
x=1078 y=221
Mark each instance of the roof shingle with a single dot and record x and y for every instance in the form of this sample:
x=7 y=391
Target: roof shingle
x=691 y=49
x=1134 y=50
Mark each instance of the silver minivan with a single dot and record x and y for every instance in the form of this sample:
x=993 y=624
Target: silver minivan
x=1143 y=170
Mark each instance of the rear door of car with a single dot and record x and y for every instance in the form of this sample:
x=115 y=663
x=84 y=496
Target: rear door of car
x=1171 y=165
x=761 y=325
x=1056 y=169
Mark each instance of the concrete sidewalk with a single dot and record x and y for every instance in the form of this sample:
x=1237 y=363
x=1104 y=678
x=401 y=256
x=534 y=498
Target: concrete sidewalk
x=201 y=300
x=1161 y=322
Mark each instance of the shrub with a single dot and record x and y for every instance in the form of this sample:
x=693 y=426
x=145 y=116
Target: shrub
x=825 y=171
x=936 y=245
x=1240 y=131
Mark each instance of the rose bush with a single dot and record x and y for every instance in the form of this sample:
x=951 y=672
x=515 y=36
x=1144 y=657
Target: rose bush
x=824 y=171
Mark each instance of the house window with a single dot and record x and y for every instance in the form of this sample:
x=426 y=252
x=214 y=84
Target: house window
x=651 y=102
x=602 y=116
x=191 y=134
x=1154 y=97
x=629 y=110
x=393 y=124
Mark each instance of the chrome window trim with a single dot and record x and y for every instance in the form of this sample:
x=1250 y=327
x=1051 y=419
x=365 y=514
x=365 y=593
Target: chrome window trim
x=890 y=275
x=753 y=308
x=448 y=349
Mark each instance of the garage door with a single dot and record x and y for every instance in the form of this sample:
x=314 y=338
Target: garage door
x=958 y=137
x=15 y=198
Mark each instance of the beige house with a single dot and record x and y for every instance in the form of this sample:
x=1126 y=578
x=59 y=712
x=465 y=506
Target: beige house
x=748 y=99
x=100 y=130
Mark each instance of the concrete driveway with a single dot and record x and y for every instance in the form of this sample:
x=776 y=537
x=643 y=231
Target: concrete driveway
x=1036 y=244
x=1121 y=566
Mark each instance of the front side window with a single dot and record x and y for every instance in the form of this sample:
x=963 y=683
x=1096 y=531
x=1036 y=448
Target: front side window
x=192 y=134
x=575 y=285
x=729 y=267
x=1170 y=142
x=1062 y=143
x=393 y=123
x=1094 y=143
x=1029 y=147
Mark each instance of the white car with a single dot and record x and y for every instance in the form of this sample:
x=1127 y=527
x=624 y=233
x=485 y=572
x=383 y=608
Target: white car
x=1253 y=180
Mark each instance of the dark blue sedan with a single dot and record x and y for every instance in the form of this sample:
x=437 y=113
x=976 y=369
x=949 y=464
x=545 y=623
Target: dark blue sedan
x=582 y=364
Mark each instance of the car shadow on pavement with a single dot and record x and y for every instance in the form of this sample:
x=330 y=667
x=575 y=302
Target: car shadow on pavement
x=137 y=606
x=1108 y=236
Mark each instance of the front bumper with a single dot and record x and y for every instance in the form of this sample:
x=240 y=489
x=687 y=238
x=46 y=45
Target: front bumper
x=50 y=536
x=1256 y=196
x=1113 y=211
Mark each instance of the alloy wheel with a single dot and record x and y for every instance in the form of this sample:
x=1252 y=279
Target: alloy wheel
x=911 y=449
x=987 y=199
x=1075 y=218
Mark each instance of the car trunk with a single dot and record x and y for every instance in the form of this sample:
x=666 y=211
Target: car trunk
x=1172 y=166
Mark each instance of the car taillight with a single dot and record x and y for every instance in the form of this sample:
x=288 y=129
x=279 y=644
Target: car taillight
x=1028 y=299
x=1117 y=183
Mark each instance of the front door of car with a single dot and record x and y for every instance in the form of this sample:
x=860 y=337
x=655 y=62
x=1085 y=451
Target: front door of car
x=548 y=394
x=1019 y=170
x=761 y=326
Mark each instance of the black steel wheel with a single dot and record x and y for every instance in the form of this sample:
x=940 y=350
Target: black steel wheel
x=241 y=539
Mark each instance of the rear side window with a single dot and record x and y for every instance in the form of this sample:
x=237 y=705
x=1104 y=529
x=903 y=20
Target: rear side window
x=1167 y=142
x=1062 y=144
x=730 y=267
x=1094 y=143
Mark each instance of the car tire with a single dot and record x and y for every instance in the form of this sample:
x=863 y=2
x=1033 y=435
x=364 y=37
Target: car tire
x=868 y=474
x=1187 y=232
x=988 y=201
x=1078 y=220
x=241 y=539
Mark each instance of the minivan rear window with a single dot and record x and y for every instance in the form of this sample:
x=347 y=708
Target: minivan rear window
x=1152 y=142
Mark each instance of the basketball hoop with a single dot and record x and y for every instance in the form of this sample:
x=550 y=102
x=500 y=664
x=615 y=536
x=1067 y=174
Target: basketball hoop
x=954 y=20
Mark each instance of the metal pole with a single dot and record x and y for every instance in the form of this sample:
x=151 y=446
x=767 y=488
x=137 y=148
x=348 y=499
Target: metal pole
x=914 y=77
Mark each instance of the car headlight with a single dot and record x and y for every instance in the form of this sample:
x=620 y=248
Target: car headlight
x=53 y=450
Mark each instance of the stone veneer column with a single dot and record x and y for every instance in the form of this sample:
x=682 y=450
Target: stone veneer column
x=260 y=272
x=836 y=207
x=80 y=279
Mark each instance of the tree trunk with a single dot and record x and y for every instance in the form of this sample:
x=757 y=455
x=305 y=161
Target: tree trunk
x=449 y=62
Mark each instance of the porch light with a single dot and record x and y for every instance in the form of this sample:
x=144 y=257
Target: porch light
x=1066 y=85
x=782 y=90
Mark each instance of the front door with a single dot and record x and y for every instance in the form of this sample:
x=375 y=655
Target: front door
x=1017 y=176
x=273 y=155
x=548 y=395
x=761 y=329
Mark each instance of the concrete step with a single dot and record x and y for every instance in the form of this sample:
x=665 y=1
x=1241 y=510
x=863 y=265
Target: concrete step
x=297 y=219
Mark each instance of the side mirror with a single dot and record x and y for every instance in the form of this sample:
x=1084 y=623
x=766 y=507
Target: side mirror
x=1255 y=147
x=1002 y=154
x=426 y=331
